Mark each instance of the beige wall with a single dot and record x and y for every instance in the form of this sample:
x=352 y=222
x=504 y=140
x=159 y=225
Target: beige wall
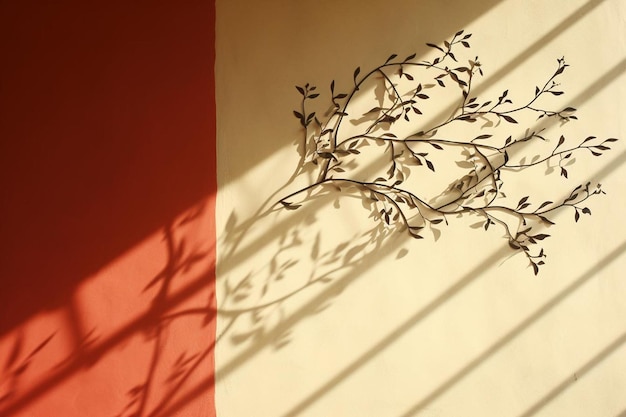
x=319 y=320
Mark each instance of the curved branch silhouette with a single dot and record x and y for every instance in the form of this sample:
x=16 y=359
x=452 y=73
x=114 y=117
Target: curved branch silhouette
x=397 y=128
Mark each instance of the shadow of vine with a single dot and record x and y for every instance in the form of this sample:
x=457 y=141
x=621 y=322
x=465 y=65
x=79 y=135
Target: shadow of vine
x=367 y=146
x=171 y=376
x=17 y=363
x=257 y=305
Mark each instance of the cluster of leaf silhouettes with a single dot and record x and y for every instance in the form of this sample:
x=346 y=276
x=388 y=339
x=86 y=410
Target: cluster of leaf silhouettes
x=403 y=209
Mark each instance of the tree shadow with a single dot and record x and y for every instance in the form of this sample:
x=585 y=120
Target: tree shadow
x=302 y=262
x=256 y=309
x=94 y=158
x=18 y=362
x=260 y=298
x=184 y=280
x=396 y=162
x=166 y=378
x=338 y=160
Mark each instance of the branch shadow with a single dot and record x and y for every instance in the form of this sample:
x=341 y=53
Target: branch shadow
x=17 y=363
x=352 y=257
x=324 y=31
x=270 y=335
x=166 y=376
x=357 y=179
x=86 y=141
x=254 y=284
x=171 y=376
x=188 y=361
x=383 y=250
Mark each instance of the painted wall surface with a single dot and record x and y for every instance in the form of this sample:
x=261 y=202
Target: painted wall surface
x=107 y=212
x=318 y=319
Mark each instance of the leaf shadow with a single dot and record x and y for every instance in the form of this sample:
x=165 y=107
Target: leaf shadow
x=18 y=363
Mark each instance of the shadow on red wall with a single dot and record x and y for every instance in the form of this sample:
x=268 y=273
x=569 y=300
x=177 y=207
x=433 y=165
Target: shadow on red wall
x=108 y=133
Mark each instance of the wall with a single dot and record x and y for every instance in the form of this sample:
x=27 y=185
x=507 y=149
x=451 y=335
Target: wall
x=108 y=182
x=322 y=313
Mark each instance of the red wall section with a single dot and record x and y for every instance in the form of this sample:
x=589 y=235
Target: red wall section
x=107 y=135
